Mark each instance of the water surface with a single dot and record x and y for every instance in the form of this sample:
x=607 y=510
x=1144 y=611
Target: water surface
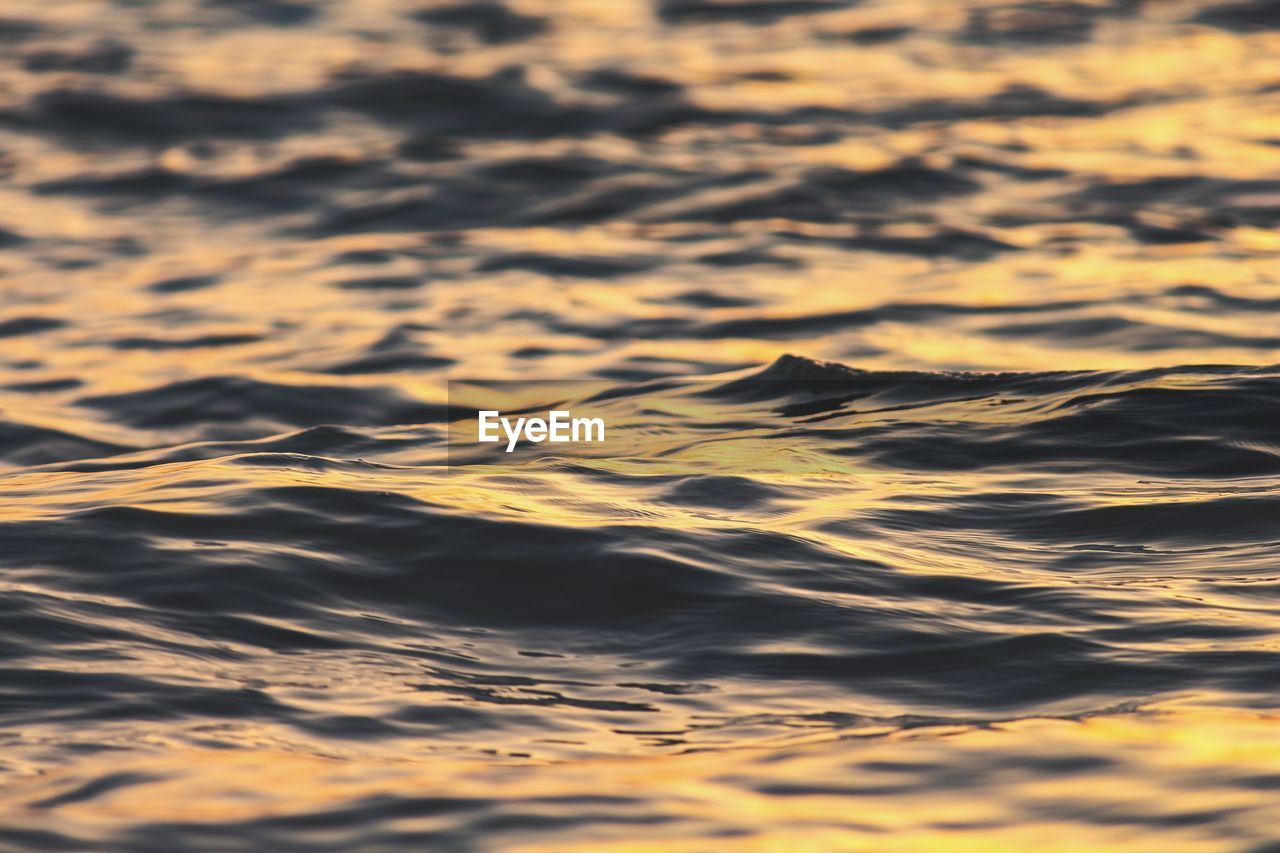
x=941 y=336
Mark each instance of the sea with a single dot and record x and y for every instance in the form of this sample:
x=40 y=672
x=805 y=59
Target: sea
x=937 y=345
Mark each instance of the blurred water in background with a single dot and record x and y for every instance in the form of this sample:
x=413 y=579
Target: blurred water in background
x=988 y=563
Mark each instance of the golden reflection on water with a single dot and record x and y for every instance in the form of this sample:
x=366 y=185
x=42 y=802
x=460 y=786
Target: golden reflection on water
x=1204 y=105
x=1001 y=803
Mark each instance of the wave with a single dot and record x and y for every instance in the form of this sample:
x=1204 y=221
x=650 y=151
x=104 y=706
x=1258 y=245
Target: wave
x=990 y=562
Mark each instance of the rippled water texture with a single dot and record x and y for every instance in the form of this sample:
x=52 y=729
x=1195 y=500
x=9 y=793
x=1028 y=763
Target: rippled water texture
x=938 y=333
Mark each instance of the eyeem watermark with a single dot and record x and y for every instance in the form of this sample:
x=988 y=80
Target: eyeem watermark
x=560 y=426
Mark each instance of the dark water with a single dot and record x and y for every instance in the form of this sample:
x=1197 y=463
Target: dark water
x=939 y=336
